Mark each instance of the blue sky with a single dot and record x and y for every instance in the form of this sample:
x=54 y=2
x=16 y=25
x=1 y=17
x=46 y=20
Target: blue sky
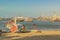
x=29 y=8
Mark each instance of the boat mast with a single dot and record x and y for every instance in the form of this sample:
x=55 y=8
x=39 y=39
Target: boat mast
x=15 y=20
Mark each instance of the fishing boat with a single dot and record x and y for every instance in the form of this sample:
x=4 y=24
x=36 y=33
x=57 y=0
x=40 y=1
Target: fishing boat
x=12 y=25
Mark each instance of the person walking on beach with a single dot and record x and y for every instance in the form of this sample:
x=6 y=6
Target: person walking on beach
x=23 y=29
x=0 y=32
x=35 y=26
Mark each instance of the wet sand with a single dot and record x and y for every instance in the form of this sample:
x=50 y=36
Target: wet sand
x=44 y=35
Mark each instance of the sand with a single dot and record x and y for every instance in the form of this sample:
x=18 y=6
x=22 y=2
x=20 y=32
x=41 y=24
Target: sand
x=33 y=35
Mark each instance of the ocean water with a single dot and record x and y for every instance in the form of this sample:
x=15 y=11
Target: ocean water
x=29 y=25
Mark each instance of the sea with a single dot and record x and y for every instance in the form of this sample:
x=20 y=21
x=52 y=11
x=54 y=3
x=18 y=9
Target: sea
x=41 y=25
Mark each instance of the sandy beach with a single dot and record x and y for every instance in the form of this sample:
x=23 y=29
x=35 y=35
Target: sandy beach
x=33 y=35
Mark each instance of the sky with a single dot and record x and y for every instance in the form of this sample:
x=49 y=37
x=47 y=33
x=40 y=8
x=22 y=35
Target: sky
x=29 y=8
